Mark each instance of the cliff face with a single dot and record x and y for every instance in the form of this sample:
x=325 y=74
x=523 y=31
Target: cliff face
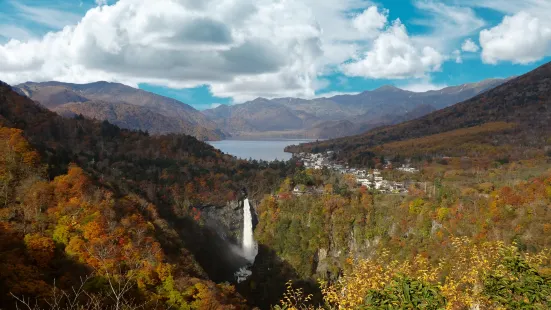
x=226 y=221
x=221 y=232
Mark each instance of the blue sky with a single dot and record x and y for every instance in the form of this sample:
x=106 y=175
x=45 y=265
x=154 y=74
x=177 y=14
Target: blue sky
x=210 y=52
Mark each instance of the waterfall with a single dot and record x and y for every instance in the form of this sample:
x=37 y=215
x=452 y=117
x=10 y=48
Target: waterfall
x=250 y=248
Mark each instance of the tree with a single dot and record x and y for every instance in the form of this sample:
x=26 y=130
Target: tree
x=40 y=248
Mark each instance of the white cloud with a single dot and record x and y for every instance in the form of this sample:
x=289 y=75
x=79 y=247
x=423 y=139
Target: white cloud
x=521 y=38
x=448 y=23
x=370 y=20
x=15 y=32
x=395 y=56
x=345 y=35
x=101 y=2
x=52 y=18
x=539 y=8
x=243 y=49
x=423 y=86
x=469 y=46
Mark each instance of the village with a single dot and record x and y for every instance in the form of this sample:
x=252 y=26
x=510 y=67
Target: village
x=370 y=178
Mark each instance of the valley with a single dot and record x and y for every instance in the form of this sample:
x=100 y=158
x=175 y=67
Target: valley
x=275 y=155
x=445 y=207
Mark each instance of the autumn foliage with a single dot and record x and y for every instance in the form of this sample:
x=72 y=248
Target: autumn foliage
x=55 y=233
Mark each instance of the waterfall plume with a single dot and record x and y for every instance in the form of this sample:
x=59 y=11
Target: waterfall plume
x=250 y=248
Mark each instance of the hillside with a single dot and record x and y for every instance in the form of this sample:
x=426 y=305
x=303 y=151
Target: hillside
x=127 y=219
x=124 y=106
x=337 y=116
x=131 y=160
x=523 y=102
x=464 y=225
x=79 y=183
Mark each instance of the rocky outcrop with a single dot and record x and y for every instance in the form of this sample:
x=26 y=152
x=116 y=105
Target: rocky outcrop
x=226 y=221
x=222 y=229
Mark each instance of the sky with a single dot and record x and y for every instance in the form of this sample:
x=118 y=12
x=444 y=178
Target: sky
x=211 y=52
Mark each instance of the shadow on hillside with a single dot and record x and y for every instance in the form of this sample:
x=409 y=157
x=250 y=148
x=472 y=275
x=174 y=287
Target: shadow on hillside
x=218 y=257
x=267 y=284
x=22 y=276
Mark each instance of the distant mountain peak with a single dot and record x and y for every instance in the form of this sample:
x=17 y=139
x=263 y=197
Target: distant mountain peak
x=259 y=99
x=388 y=87
x=104 y=83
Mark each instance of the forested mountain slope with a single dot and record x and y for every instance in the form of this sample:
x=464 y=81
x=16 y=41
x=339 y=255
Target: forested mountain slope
x=83 y=198
x=339 y=115
x=469 y=228
x=515 y=114
x=124 y=106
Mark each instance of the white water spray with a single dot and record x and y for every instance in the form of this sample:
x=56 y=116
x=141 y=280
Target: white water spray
x=250 y=248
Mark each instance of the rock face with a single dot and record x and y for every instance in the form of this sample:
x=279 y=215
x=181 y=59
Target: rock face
x=226 y=221
x=222 y=232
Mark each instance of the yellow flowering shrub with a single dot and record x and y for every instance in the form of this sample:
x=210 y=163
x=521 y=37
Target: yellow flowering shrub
x=460 y=280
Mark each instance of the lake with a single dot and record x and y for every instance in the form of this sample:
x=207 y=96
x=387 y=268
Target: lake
x=261 y=150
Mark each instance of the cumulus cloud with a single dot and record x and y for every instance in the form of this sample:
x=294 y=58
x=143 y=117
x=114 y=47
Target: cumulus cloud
x=395 y=56
x=270 y=45
x=521 y=38
x=243 y=49
x=469 y=46
x=370 y=20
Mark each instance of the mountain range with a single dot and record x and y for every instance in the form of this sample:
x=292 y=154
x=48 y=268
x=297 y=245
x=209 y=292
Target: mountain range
x=320 y=118
x=337 y=116
x=123 y=106
x=510 y=120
